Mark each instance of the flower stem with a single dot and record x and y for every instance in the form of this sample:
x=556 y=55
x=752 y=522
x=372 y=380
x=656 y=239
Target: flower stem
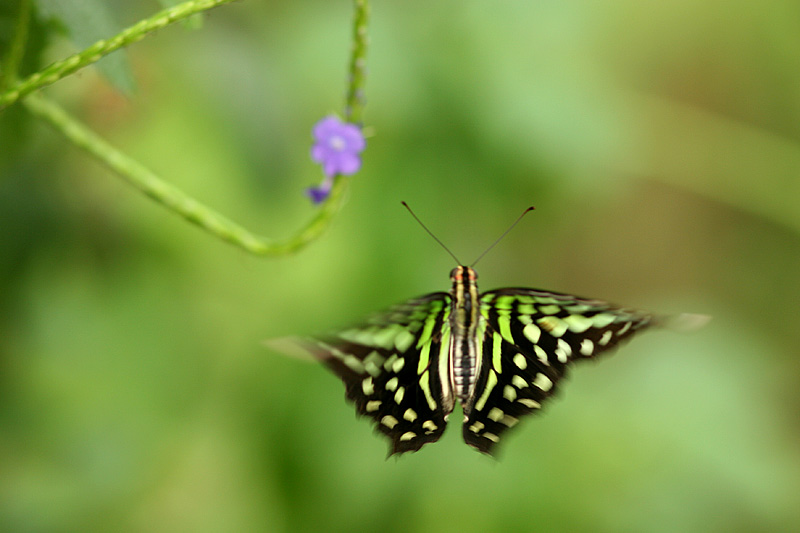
x=354 y=101
x=137 y=32
x=173 y=198
x=9 y=68
x=147 y=181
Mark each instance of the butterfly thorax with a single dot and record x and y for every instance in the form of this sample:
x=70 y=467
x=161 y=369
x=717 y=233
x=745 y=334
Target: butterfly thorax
x=464 y=321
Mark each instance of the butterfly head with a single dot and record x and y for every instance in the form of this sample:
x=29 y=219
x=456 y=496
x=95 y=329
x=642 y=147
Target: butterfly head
x=462 y=274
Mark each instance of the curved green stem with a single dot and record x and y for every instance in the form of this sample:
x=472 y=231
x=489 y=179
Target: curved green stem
x=173 y=198
x=137 y=32
x=354 y=101
x=9 y=68
x=147 y=181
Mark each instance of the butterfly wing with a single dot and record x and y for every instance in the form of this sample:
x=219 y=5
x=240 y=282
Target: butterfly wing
x=530 y=338
x=390 y=366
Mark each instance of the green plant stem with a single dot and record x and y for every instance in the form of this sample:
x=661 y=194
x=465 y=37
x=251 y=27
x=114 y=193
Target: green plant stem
x=147 y=181
x=9 y=70
x=173 y=198
x=137 y=32
x=354 y=101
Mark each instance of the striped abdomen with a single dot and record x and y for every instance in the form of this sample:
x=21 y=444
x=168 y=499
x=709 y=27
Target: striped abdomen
x=463 y=367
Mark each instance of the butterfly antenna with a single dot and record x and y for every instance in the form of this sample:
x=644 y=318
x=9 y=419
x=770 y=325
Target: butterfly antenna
x=431 y=233
x=486 y=251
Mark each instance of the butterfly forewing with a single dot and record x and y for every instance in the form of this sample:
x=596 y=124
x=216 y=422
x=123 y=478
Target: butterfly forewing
x=529 y=339
x=562 y=326
x=390 y=366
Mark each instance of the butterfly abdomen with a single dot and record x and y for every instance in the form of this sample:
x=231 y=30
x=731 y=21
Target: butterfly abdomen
x=464 y=322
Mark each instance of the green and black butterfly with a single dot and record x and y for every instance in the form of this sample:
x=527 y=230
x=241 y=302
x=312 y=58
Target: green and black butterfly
x=500 y=354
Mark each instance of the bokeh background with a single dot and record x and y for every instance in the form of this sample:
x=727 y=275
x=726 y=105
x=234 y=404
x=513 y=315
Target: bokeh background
x=660 y=144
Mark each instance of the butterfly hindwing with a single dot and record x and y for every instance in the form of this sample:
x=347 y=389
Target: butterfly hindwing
x=390 y=368
x=529 y=338
x=510 y=385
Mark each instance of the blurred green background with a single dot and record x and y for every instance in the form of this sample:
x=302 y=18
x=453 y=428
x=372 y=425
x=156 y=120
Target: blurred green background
x=660 y=144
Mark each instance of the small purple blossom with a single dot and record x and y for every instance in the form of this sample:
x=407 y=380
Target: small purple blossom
x=320 y=193
x=337 y=146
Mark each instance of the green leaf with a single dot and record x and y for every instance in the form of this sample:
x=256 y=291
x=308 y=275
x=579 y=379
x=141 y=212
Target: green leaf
x=86 y=22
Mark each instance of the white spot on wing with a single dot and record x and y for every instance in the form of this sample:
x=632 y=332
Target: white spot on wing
x=541 y=354
x=389 y=421
x=367 y=386
x=495 y=414
x=387 y=365
x=578 y=323
x=476 y=427
x=372 y=369
x=403 y=340
x=532 y=333
x=509 y=421
x=398 y=396
x=408 y=435
x=509 y=393
x=353 y=363
x=543 y=382
x=527 y=402
x=601 y=320
x=563 y=351
x=587 y=347
x=555 y=326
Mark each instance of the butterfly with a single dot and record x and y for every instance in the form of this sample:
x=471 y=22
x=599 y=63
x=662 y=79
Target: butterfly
x=500 y=354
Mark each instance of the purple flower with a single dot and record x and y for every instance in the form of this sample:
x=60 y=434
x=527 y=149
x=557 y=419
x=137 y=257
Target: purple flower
x=337 y=146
